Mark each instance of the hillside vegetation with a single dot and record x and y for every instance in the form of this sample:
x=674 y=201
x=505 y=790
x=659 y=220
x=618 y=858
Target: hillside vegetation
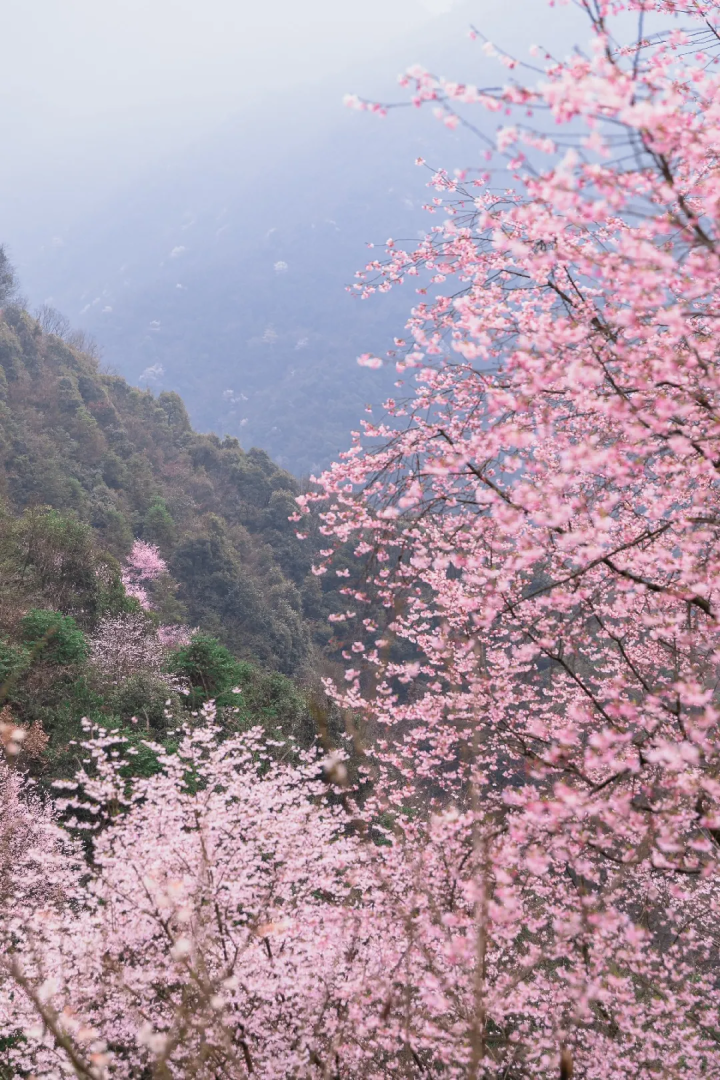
x=128 y=464
x=90 y=465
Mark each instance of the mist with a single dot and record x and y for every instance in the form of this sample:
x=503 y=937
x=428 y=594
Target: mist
x=183 y=183
x=92 y=94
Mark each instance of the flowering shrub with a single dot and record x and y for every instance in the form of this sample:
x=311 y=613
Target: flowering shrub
x=54 y=636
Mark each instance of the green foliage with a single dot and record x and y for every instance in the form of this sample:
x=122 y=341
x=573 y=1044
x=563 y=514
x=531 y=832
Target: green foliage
x=112 y=598
x=88 y=463
x=209 y=668
x=158 y=526
x=114 y=528
x=112 y=462
x=58 y=552
x=10 y=353
x=114 y=472
x=56 y=636
x=272 y=700
x=14 y=660
x=145 y=698
x=8 y=280
x=142 y=760
x=257 y=619
x=247 y=695
x=55 y=585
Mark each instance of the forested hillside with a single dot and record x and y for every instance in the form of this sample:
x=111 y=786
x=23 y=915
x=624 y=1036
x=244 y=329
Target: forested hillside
x=94 y=474
x=129 y=464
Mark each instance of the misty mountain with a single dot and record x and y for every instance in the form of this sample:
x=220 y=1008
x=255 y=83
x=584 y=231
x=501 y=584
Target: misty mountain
x=224 y=279
x=223 y=274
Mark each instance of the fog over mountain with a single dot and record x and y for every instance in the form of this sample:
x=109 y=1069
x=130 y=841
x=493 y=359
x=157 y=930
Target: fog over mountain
x=216 y=265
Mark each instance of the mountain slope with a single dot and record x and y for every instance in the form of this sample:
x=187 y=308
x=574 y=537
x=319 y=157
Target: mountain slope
x=129 y=464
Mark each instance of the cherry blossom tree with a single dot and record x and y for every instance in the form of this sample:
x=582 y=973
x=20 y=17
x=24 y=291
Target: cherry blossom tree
x=40 y=870
x=542 y=517
x=217 y=929
x=230 y=923
x=175 y=636
x=124 y=645
x=143 y=565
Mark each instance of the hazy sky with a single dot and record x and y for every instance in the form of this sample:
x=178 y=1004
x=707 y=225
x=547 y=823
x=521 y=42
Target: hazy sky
x=94 y=91
x=67 y=63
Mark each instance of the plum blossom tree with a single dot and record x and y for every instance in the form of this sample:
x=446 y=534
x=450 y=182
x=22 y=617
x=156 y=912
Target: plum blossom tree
x=530 y=888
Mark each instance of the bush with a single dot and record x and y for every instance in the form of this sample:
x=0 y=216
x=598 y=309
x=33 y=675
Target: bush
x=145 y=698
x=211 y=670
x=14 y=660
x=55 y=636
x=271 y=699
x=250 y=695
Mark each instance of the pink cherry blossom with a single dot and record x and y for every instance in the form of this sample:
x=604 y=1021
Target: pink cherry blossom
x=144 y=564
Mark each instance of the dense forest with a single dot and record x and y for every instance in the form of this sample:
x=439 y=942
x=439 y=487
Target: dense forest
x=89 y=466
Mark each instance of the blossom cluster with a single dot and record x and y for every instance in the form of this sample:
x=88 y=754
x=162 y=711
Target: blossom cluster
x=143 y=565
